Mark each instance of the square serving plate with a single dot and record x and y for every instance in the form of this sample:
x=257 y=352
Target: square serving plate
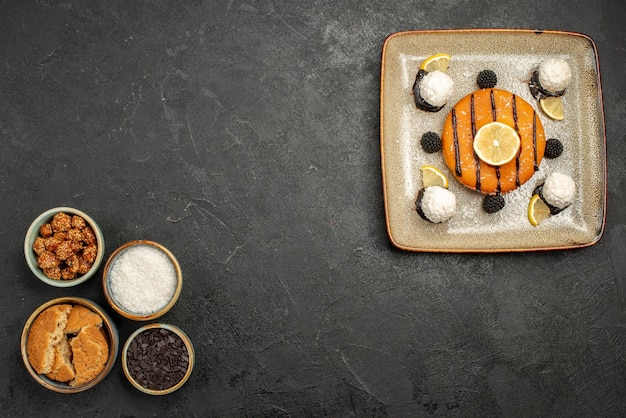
x=513 y=55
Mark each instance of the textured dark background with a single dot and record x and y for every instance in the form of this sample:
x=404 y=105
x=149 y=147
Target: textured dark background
x=244 y=136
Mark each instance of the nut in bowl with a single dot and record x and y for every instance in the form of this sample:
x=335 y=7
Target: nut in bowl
x=142 y=280
x=69 y=344
x=157 y=359
x=64 y=247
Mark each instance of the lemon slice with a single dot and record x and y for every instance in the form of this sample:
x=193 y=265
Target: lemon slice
x=538 y=211
x=436 y=62
x=553 y=107
x=432 y=176
x=496 y=143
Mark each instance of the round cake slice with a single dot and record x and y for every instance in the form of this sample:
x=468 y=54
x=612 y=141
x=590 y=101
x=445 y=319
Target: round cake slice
x=473 y=112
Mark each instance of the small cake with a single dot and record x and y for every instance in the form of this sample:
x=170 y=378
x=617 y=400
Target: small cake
x=551 y=78
x=432 y=90
x=558 y=191
x=477 y=110
x=436 y=204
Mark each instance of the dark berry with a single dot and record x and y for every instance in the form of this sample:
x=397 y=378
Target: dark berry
x=487 y=79
x=554 y=148
x=493 y=203
x=431 y=142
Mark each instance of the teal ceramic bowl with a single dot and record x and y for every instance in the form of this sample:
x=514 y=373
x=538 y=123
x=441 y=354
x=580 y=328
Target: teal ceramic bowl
x=34 y=231
x=111 y=334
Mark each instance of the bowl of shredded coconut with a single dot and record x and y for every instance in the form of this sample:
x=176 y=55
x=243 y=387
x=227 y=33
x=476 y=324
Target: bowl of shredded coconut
x=142 y=280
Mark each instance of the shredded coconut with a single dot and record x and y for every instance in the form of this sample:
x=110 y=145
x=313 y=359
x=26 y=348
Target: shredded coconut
x=438 y=204
x=555 y=74
x=436 y=88
x=142 y=279
x=559 y=190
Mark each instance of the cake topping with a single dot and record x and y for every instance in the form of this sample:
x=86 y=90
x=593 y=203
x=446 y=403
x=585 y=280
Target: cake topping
x=436 y=204
x=538 y=210
x=436 y=62
x=431 y=142
x=143 y=279
x=559 y=190
x=496 y=143
x=554 y=75
x=554 y=148
x=492 y=203
x=436 y=88
x=433 y=87
x=157 y=359
x=487 y=79
x=432 y=176
x=552 y=107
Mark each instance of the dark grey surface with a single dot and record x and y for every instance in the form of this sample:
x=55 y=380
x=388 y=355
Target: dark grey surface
x=244 y=136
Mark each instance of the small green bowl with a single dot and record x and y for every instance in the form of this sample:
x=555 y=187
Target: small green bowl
x=190 y=353
x=107 y=324
x=33 y=233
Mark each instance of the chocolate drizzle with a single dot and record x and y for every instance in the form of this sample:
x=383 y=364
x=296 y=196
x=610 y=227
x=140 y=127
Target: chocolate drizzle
x=457 y=155
x=476 y=159
x=494 y=115
x=516 y=126
x=535 y=162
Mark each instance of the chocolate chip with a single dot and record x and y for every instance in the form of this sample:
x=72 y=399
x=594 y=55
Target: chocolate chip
x=157 y=359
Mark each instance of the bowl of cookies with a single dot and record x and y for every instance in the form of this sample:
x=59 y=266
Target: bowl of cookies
x=69 y=344
x=64 y=247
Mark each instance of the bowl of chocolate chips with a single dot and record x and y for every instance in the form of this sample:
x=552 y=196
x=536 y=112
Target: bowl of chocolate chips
x=157 y=359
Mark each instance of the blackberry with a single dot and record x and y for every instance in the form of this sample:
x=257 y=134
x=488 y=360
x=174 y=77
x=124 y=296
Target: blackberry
x=493 y=203
x=487 y=79
x=431 y=142
x=554 y=148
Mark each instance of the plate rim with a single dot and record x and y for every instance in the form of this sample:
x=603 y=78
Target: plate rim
x=602 y=130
